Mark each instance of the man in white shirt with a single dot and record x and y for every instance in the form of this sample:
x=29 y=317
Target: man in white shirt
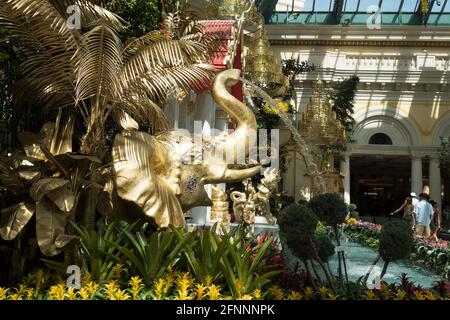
x=424 y=215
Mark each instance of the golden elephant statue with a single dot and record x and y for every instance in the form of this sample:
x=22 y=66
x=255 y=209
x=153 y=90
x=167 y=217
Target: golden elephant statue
x=152 y=178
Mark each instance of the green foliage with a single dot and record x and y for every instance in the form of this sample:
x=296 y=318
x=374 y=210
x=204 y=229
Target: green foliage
x=227 y=259
x=292 y=68
x=396 y=241
x=325 y=246
x=203 y=255
x=151 y=256
x=329 y=207
x=141 y=16
x=98 y=250
x=343 y=95
x=240 y=266
x=297 y=227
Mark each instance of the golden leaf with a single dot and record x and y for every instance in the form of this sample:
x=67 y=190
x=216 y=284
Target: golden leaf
x=14 y=218
x=50 y=227
x=43 y=186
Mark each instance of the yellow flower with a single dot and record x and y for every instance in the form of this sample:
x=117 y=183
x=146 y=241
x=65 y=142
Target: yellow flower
x=111 y=288
x=3 y=293
x=86 y=278
x=257 y=294
x=208 y=280
x=15 y=296
x=29 y=293
x=400 y=295
x=351 y=221
x=168 y=284
x=246 y=297
x=294 y=295
x=159 y=288
x=239 y=287
x=184 y=281
x=136 y=286
x=117 y=271
x=57 y=292
x=91 y=288
x=308 y=293
x=183 y=295
x=120 y=295
x=417 y=295
x=214 y=292
x=276 y=292
x=84 y=294
x=71 y=294
x=21 y=290
x=429 y=295
x=200 y=289
x=370 y=295
x=323 y=293
x=332 y=296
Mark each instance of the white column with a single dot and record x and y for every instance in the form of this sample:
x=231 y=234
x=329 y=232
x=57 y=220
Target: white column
x=435 y=181
x=345 y=170
x=416 y=175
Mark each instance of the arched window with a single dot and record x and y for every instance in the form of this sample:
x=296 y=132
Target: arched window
x=380 y=138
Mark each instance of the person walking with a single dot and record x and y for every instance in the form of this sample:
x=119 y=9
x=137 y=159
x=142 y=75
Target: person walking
x=435 y=224
x=408 y=212
x=424 y=215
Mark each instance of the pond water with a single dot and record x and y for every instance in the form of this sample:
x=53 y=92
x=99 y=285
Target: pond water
x=359 y=258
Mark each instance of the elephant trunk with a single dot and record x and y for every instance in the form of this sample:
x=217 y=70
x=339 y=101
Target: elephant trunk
x=237 y=144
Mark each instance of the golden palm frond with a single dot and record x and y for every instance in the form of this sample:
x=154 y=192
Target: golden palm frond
x=47 y=45
x=40 y=8
x=91 y=68
x=98 y=61
x=90 y=12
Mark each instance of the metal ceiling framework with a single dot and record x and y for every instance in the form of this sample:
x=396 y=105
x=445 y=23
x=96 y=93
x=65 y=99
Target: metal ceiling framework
x=345 y=12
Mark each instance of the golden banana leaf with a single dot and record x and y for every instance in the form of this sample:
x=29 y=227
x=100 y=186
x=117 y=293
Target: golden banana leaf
x=54 y=202
x=50 y=227
x=14 y=218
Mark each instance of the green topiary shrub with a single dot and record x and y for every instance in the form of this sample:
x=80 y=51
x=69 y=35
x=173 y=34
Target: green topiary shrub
x=396 y=242
x=325 y=246
x=329 y=207
x=297 y=227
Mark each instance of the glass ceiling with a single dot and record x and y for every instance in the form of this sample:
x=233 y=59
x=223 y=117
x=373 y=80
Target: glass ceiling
x=391 y=12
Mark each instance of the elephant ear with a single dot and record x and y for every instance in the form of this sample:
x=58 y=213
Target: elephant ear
x=142 y=170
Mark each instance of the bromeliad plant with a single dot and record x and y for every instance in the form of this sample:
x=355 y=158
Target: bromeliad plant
x=151 y=256
x=98 y=250
x=229 y=260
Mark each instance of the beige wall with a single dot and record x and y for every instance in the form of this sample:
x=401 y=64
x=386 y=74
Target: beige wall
x=403 y=88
